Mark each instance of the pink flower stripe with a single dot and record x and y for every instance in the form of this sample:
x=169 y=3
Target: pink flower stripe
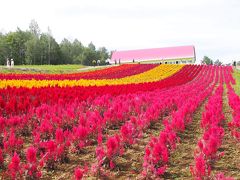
x=159 y=148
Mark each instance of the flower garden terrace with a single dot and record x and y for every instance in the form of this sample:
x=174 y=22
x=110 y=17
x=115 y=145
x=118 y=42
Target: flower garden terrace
x=83 y=130
x=154 y=74
x=106 y=73
x=35 y=96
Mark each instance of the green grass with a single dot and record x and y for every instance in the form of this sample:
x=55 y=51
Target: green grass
x=51 y=69
x=236 y=75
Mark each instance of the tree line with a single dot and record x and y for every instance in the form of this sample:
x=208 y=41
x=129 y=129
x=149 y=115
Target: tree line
x=35 y=47
x=209 y=61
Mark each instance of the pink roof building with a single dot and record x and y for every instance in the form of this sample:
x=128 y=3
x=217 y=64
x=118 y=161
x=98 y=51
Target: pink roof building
x=180 y=54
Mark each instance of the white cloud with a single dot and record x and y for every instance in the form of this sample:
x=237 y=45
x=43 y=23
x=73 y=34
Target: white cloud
x=211 y=25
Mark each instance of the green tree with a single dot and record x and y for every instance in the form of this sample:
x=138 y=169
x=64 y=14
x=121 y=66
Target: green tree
x=44 y=43
x=22 y=38
x=218 y=62
x=102 y=55
x=15 y=44
x=207 y=60
x=91 y=46
x=34 y=28
x=33 y=46
x=88 y=56
x=66 y=50
x=77 y=52
x=33 y=51
x=55 y=52
x=3 y=49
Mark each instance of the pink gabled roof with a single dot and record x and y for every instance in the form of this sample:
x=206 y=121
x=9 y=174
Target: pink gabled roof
x=155 y=53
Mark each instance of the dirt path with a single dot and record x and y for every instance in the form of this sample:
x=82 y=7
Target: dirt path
x=130 y=164
x=229 y=164
x=183 y=156
x=127 y=166
x=66 y=170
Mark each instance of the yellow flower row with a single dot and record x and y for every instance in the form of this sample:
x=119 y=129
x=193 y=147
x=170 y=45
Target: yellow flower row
x=155 y=74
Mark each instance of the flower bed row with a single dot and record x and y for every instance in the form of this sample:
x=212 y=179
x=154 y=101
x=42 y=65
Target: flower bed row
x=159 y=148
x=121 y=73
x=153 y=75
x=68 y=126
x=52 y=123
x=34 y=97
x=234 y=103
x=107 y=73
x=208 y=146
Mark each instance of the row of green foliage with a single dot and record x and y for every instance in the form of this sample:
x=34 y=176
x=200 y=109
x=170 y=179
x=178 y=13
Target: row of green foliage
x=35 y=47
x=237 y=78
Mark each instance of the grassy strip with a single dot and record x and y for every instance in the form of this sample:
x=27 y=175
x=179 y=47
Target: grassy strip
x=49 y=69
x=33 y=69
x=236 y=75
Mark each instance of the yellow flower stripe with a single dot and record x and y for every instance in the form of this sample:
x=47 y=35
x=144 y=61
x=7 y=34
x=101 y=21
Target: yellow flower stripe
x=155 y=74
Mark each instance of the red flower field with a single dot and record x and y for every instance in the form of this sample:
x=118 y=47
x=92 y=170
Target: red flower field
x=185 y=125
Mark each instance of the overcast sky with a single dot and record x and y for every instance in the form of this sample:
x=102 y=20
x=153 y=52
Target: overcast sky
x=212 y=26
